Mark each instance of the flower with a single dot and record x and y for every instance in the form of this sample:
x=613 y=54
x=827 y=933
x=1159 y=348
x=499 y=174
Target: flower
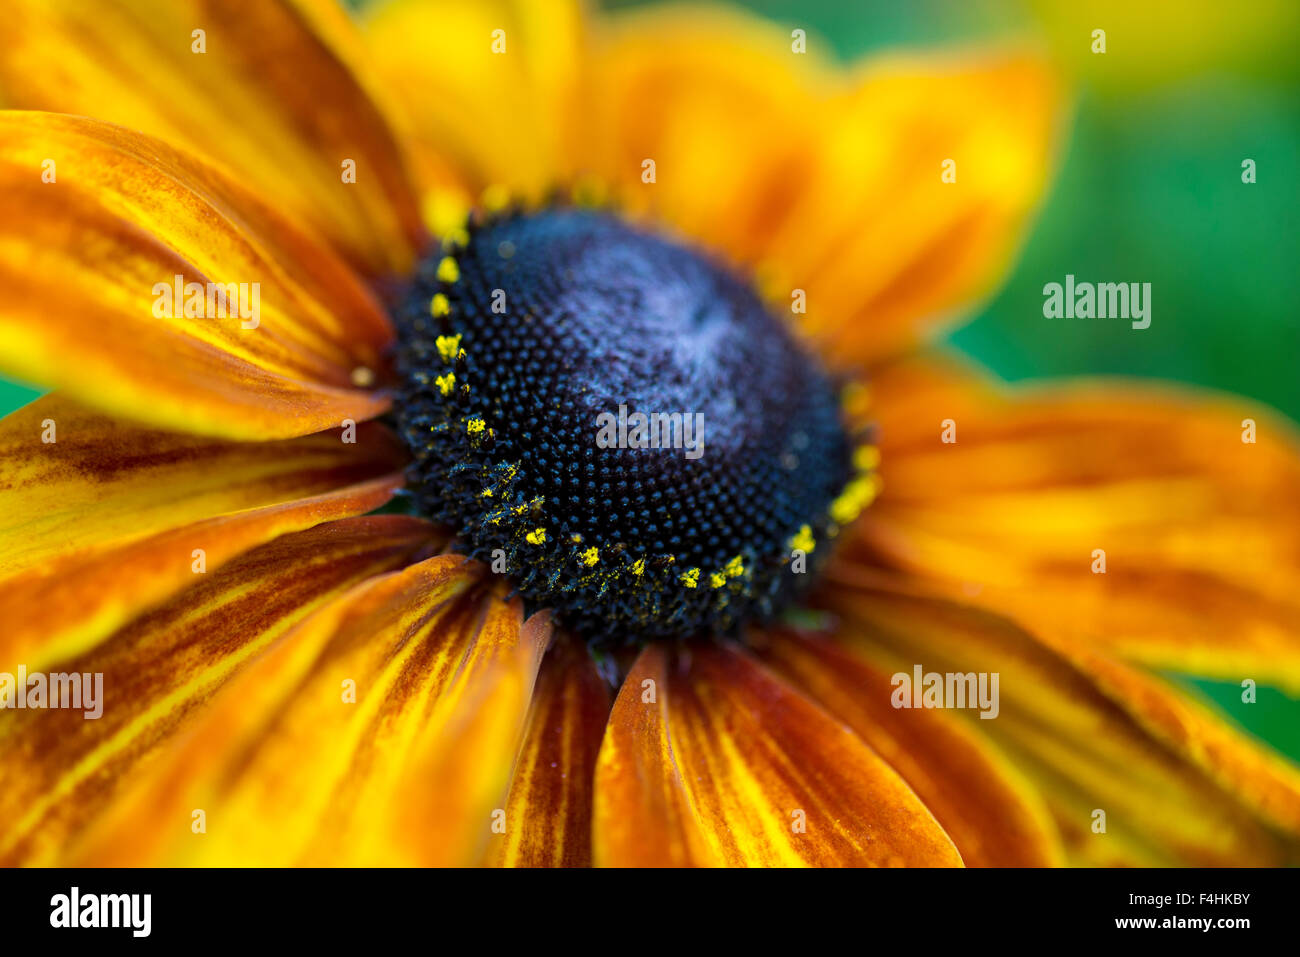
x=289 y=677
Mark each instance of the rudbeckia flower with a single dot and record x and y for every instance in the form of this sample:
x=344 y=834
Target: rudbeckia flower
x=280 y=268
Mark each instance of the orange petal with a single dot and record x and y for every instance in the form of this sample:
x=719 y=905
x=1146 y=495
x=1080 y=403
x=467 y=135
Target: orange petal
x=271 y=97
x=311 y=756
x=1066 y=733
x=908 y=251
x=88 y=267
x=61 y=768
x=826 y=181
x=729 y=116
x=1200 y=530
x=67 y=606
x=105 y=521
x=1260 y=778
x=548 y=813
x=993 y=816
x=711 y=760
x=72 y=478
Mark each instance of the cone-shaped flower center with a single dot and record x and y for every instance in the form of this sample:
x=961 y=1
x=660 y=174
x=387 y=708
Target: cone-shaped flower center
x=619 y=425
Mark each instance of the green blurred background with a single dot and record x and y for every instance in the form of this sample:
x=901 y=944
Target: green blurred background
x=1149 y=190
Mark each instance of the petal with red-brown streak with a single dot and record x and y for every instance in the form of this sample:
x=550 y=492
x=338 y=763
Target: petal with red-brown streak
x=710 y=759
x=109 y=518
x=548 y=813
x=101 y=480
x=60 y=769
x=1069 y=737
x=991 y=813
x=381 y=731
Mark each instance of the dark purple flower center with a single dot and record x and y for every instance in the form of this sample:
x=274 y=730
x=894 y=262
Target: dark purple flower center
x=620 y=425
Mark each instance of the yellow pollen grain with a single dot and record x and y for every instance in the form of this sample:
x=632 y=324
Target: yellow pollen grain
x=475 y=425
x=443 y=211
x=446 y=383
x=736 y=567
x=803 y=540
x=638 y=567
x=866 y=458
x=449 y=347
x=718 y=579
x=536 y=536
x=690 y=578
x=439 y=305
x=856 y=496
x=591 y=556
x=448 y=270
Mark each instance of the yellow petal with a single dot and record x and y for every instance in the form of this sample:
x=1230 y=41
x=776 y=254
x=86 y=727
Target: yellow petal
x=467 y=747
x=991 y=813
x=271 y=96
x=828 y=181
x=1200 y=531
x=488 y=90
x=61 y=769
x=548 y=813
x=1084 y=753
x=709 y=759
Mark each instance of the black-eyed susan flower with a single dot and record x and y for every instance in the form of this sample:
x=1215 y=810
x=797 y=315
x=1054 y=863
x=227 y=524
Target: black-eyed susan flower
x=277 y=269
